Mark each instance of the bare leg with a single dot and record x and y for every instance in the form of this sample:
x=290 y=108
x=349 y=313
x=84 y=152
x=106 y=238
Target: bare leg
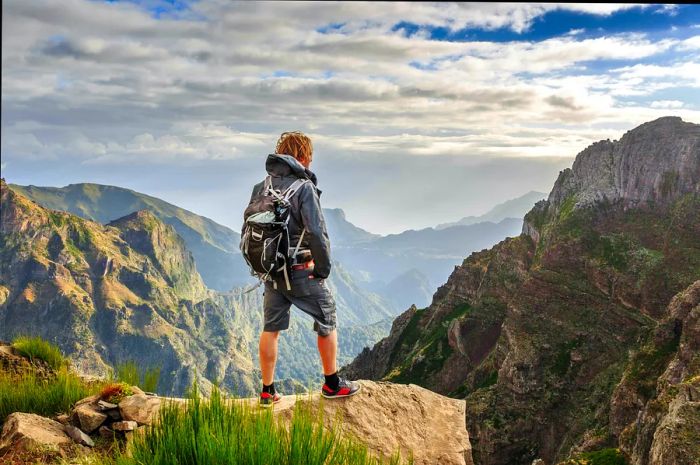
x=268 y=355
x=328 y=348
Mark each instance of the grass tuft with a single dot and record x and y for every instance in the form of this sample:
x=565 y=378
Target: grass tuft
x=47 y=397
x=600 y=457
x=147 y=380
x=35 y=348
x=220 y=430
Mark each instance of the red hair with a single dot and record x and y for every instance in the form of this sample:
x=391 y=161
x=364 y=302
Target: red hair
x=296 y=144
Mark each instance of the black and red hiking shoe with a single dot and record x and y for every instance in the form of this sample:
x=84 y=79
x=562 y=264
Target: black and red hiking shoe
x=345 y=389
x=267 y=399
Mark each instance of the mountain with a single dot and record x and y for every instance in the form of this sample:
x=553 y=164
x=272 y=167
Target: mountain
x=581 y=334
x=381 y=264
x=409 y=288
x=108 y=294
x=514 y=208
x=343 y=232
x=214 y=246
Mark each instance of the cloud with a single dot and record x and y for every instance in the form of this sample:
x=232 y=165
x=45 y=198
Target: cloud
x=107 y=88
x=671 y=104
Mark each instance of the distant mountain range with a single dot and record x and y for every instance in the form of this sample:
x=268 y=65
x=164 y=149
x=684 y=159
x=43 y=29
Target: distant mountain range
x=515 y=208
x=382 y=264
x=370 y=261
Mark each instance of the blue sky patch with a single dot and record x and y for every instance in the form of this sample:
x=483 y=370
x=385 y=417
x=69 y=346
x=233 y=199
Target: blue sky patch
x=560 y=22
x=160 y=8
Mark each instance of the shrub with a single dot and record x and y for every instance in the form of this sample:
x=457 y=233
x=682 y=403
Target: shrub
x=599 y=457
x=115 y=392
x=35 y=348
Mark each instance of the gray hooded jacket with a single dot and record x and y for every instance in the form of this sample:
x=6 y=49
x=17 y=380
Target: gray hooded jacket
x=305 y=209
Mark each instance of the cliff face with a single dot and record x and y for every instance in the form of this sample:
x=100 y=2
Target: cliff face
x=653 y=164
x=550 y=334
x=109 y=294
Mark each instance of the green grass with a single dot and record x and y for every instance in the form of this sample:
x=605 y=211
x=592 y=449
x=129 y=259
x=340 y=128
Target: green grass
x=489 y=380
x=567 y=207
x=47 y=397
x=128 y=372
x=562 y=359
x=599 y=457
x=216 y=430
x=35 y=348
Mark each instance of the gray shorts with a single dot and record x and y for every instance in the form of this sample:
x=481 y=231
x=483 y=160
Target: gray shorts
x=312 y=296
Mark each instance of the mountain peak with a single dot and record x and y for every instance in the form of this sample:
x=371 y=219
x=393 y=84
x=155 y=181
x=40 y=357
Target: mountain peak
x=655 y=163
x=140 y=218
x=147 y=234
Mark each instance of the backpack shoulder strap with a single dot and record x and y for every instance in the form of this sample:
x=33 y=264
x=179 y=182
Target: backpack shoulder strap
x=268 y=189
x=291 y=190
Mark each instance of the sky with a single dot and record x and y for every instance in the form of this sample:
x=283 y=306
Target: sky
x=420 y=113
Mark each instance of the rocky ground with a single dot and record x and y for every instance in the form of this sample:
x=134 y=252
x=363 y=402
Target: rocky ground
x=386 y=417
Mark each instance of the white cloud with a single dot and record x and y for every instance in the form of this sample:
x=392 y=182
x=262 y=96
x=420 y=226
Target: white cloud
x=99 y=85
x=667 y=104
x=691 y=43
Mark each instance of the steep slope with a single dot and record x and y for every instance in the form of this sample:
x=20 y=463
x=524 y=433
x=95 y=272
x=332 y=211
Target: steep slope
x=108 y=294
x=562 y=338
x=214 y=246
x=514 y=208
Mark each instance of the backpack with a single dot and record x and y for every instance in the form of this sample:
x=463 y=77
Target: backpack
x=265 y=236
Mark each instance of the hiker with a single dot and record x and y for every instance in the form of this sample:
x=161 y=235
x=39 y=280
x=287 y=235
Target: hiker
x=303 y=261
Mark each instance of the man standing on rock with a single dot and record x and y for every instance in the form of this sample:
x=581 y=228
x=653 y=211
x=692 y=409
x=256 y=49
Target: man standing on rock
x=304 y=285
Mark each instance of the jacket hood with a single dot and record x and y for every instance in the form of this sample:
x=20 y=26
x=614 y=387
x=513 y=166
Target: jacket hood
x=286 y=165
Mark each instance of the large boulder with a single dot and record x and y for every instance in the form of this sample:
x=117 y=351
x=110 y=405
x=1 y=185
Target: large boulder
x=388 y=417
x=139 y=408
x=27 y=431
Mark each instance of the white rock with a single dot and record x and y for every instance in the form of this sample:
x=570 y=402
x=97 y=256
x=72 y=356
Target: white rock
x=89 y=417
